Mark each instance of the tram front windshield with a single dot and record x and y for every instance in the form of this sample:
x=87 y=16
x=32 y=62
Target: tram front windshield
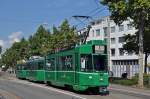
x=91 y=63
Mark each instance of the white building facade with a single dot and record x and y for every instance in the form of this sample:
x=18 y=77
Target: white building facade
x=120 y=62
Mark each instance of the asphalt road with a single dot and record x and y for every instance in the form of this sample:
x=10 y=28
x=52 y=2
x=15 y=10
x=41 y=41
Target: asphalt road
x=27 y=90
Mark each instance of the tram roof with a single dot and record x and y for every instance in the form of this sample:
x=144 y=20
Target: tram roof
x=36 y=60
x=84 y=48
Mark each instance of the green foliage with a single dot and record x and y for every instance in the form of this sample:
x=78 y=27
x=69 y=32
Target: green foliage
x=131 y=42
x=41 y=43
x=127 y=82
x=132 y=81
x=123 y=9
x=64 y=37
x=138 y=11
x=146 y=78
x=18 y=51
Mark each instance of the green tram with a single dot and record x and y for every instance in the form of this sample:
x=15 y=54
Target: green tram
x=35 y=69
x=21 y=71
x=81 y=68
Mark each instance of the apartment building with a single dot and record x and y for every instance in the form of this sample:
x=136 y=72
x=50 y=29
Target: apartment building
x=120 y=62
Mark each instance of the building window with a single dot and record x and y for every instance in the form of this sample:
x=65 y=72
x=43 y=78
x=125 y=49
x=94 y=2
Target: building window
x=121 y=52
x=113 y=29
x=105 y=31
x=121 y=39
x=98 y=22
x=98 y=32
x=113 y=52
x=92 y=23
x=130 y=53
x=135 y=62
x=113 y=40
x=129 y=26
x=121 y=28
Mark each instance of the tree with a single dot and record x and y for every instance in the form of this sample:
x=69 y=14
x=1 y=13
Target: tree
x=131 y=44
x=39 y=42
x=136 y=10
x=67 y=35
x=18 y=51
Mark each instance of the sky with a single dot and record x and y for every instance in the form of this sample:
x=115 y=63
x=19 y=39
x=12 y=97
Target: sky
x=21 y=18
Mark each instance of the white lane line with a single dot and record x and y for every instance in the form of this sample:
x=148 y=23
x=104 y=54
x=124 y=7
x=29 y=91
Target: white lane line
x=52 y=89
x=129 y=91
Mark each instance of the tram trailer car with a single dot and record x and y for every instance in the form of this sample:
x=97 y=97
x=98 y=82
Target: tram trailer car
x=21 y=71
x=35 y=70
x=82 y=68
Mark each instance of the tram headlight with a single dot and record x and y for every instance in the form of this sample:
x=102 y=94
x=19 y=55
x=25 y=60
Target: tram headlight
x=101 y=79
x=90 y=77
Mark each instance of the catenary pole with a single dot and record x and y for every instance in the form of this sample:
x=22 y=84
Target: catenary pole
x=108 y=43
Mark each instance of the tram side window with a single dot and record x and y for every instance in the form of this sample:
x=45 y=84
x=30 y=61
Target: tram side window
x=67 y=63
x=25 y=66
x=34 y=65
x=19 y=67
x=53 y=63
x=29 y=66
x=86 y=62
x=50 y=64
x=63 y=66
x=40 y=65
x=59 y=64
x=99 y=62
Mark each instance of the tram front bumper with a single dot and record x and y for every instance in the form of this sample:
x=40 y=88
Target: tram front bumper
x=103 y=90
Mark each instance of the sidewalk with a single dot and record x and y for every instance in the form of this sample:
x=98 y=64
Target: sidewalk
x=129 y=90
x=4 y=75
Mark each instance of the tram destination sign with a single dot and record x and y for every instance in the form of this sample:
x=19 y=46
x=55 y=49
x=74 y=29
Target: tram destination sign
x=99 y=49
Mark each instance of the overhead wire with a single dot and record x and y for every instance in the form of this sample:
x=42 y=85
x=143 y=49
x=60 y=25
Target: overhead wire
x=95 y=11
x=96 y=2
x=91 y=13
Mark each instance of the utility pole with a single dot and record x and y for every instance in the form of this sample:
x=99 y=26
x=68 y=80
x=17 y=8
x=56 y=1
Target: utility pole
x=78 y=17
x=108 y=43
x=87 y=33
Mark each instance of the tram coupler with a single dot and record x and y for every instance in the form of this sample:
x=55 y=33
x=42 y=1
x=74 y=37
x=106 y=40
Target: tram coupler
x=103 y=91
